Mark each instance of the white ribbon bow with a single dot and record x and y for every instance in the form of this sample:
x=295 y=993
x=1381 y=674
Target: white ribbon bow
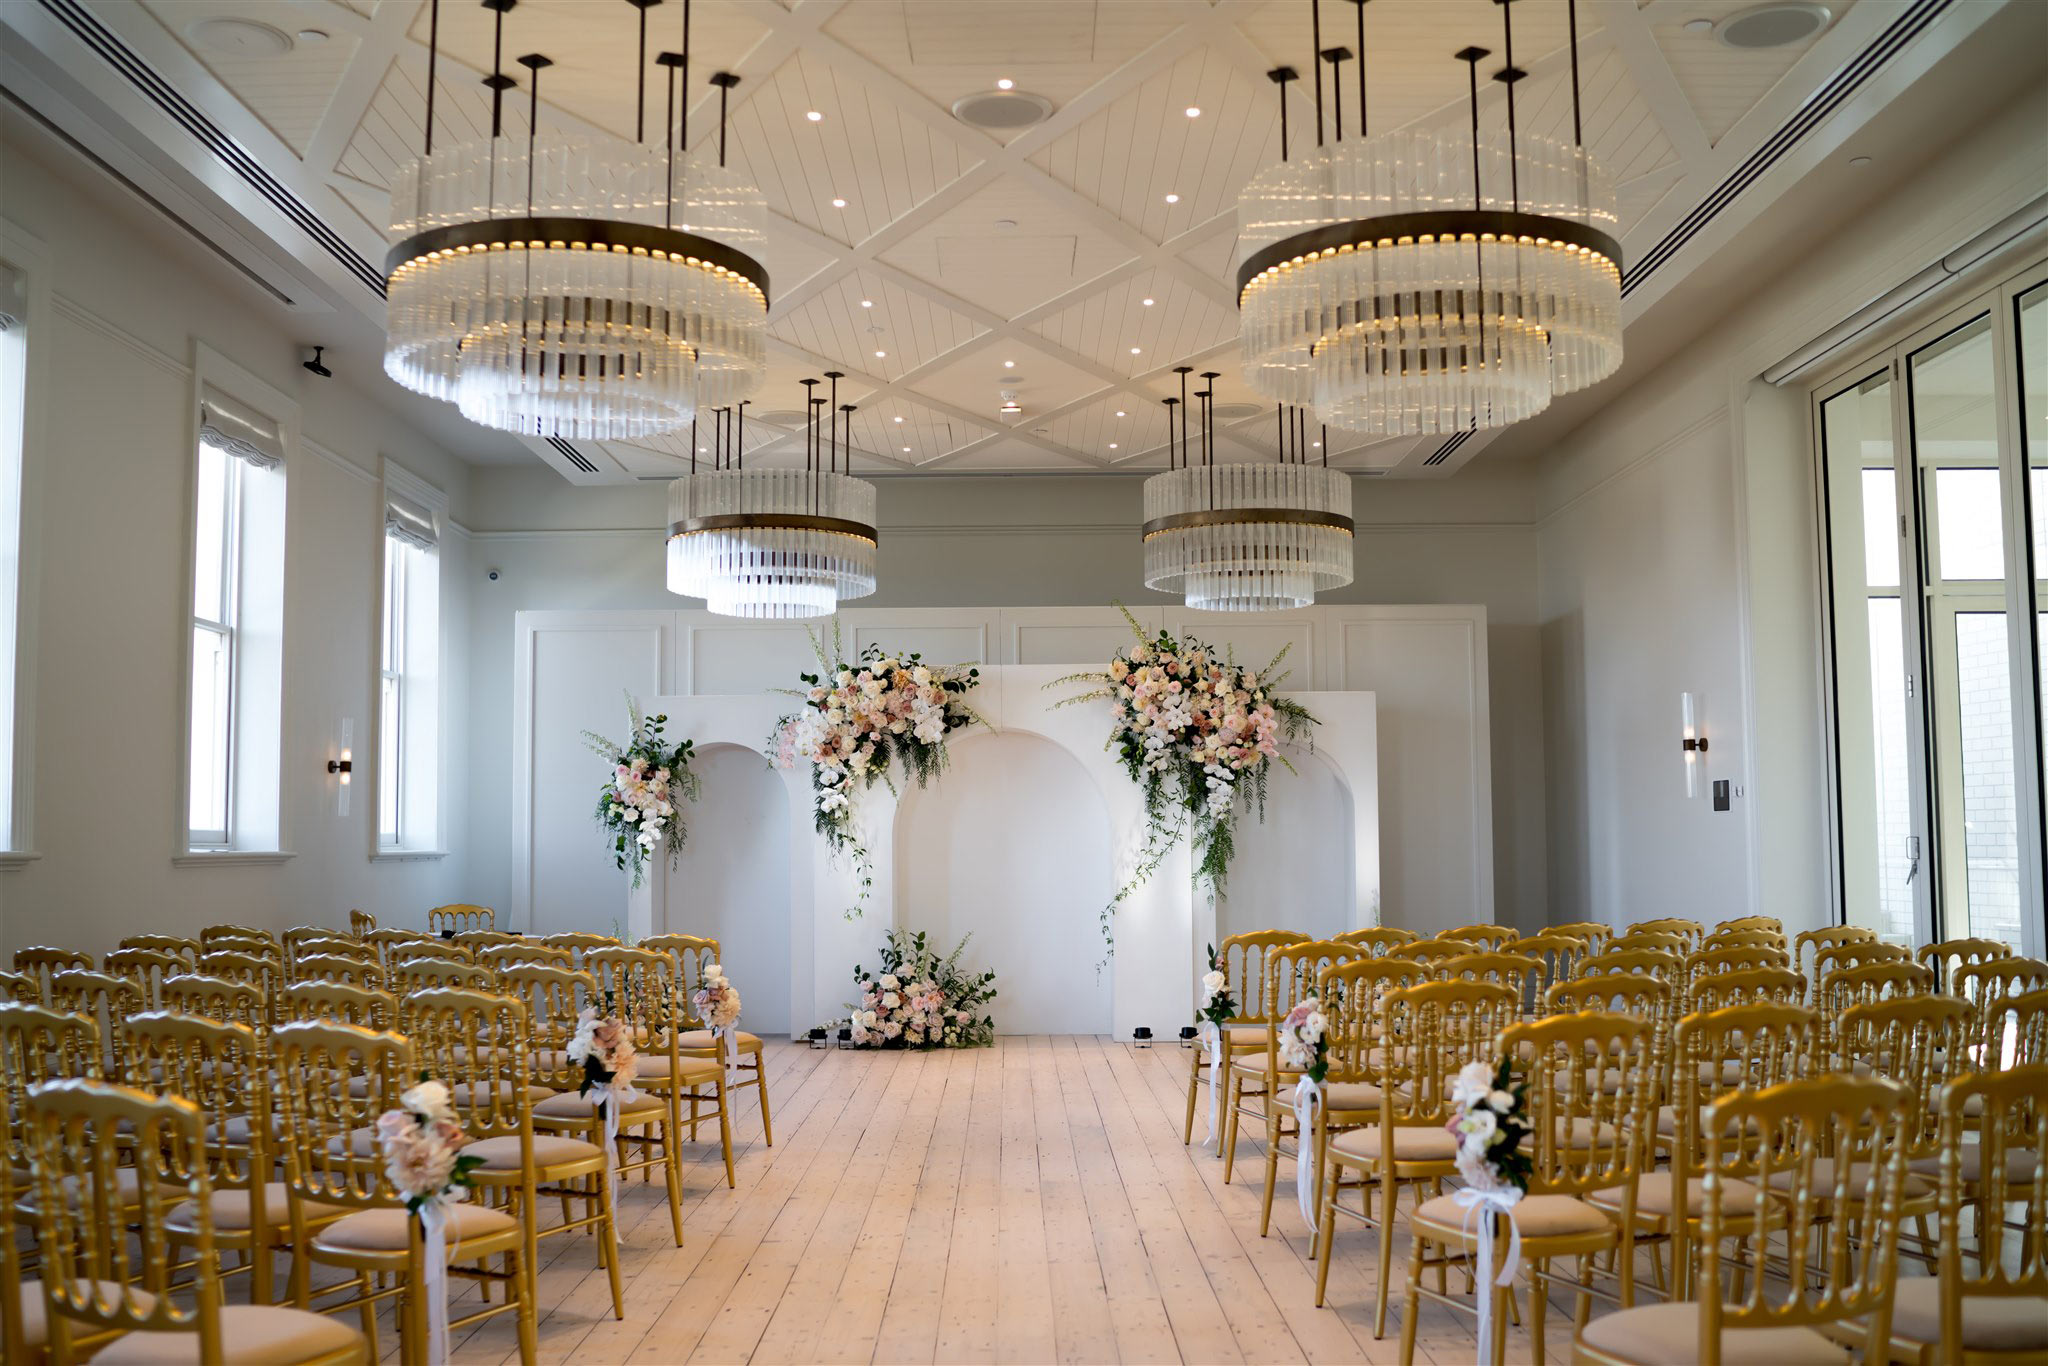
x=610 y=1097
x=434 y=1233
x=1212 y=1043
x=729 y=1049
x=1308 y=1098
x=1483 y=1205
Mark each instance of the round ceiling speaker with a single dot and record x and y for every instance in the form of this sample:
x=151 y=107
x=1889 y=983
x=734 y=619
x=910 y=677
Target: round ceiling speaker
x=1002 y=111
x=1236 y=412
x=239 y=37
x=1773 y=25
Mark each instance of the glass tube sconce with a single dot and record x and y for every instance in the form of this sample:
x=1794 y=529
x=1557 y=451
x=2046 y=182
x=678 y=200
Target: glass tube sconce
x=344 y=763
x=1694 y=741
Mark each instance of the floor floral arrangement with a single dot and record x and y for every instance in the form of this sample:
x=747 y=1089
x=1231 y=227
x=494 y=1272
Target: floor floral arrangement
x=641 y=803
x=1199 y=733
x=863 y=718
x=920 y=1000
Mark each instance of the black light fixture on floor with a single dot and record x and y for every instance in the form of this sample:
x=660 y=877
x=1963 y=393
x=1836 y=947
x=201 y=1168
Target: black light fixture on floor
x=1141 y=1037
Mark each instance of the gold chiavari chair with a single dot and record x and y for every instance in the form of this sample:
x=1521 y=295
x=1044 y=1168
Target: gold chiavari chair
x=243 y=933
x=292 y=938
x=692 y=955
x=1243 y=959
x=554 y=998
x=1659 y=963
x=2001 y=1313
x=80 y=1132
x=1427 y=1033
x=408 y=975
x=2025 y=1023
x=1738 y=958
x=477 y=1042
x=224 y=1070
x=1866 y=983
x=1643 y=995
x=218 y=998
x=1840 y=1287
x=1752 y=922
x=391 y=941
x=1519 y=973
x=264 y=973
x=580 y=943
x=355 y=972
x=1596 y=934
x=104 y=999
x=1951 y=954
x=1557 y=956
x=331 y=946
x=1987 y=986
x=1716 y=1053
x=1747 y=939
x=1264 y=1080
x=476 y=941
x=176 y=945
x=19 y=986
x=1586 y=1138
x=1432 y=954
x=459 y=916
x=1826 y=938
x=1484 y=938
x=333 y=1158
x=1653 y=941
x=322 y=999
x=360 y=923
x=41 y=963
x=1375 y=940
x=1745 y=986
x=1690 y=932
x=1855 y=954
x=38 y=1044
x=1362 y=1068
x=146 y=968
x=499 y=957
x=447 y=950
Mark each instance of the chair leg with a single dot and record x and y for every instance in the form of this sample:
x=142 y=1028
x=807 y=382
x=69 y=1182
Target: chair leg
x=1496 y=1352
x=1413 y=1305
x=1273 y=1163
x=725 y=1132
x=1389 y=1188
x=369 y=1317
x=672 y=1173
x=1326 y=1229
x=761 y=1085
x=1582 y=1312
x=608 y=1242
x=1539 y=1307
x=1187 y=1130
x=1232 y=1093
x=522 y=1285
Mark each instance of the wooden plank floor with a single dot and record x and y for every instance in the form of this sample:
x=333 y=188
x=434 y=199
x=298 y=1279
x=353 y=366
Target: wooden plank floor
x=1030 y=1202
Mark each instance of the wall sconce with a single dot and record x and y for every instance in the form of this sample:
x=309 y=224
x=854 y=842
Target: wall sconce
x=344 y=764
x=1694 y=742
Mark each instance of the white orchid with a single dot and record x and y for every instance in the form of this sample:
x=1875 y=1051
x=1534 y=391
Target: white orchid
x=429 y=1099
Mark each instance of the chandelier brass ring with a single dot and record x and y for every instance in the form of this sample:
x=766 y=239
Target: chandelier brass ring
x=1456 y=225
x=597 y=234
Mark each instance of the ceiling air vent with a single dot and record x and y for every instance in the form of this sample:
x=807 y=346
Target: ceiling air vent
x=1002 y=111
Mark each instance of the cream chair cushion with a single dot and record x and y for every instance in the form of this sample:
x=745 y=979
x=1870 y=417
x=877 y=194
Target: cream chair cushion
x=689 y=1071
x=1823 y=1184
x=1991 y=1323
x=569 y=1105
x=250 y=1335
x=2020 y=1164
x=385 y=1230
x=1653 y=1196
x=1537 y=1216
x=703 y=1038
x=35 y=1327
x=1669 y=1335
x=1351 y=1095
x=1412 y=1143
x=231 y=1212
x=502 y=1154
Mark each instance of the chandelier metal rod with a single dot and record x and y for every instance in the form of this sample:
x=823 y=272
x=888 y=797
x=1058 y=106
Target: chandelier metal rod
x=1280 y=421
x=1508 y=76
x=1572 y=19
x=668 y=62
x=725 y=81
x=849 y=409
x=1363 y=128
x=1336 y=57
x=1300 y=430
x=1184 y=371
x=739 y=438
x=1280 y=76
x=534 y=63
x=1168 y=404
x=496 y=80
x=693 y=443
x=433 y=63
x=835 y=376
x=683 y=132
x=1326 y=445
x=1315 y=46
x=640 y=91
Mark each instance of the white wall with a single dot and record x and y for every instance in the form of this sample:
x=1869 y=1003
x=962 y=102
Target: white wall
x=1677 y=551
x=112 y=471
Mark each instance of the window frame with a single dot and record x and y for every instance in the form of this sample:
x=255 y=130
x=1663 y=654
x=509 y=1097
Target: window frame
x=422 y=742
x=29 y=256
x=391 y=729
x=197 y=839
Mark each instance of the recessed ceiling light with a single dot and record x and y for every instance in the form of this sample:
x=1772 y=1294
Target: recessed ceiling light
x=1148 y=303
x=899 y=419
x=1173 y=199
x=867 y=303
x=1317 y=444
x=1194 y=112
x=815 y=117
x=906 y=450
x=880 y=354
x=1134 y=350
x=1006 y=84
x=1112 y=445
x=1119 y=412
x=1009 y=365
x=838 y=203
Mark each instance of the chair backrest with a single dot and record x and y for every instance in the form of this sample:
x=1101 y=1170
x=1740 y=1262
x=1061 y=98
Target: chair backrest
x=1747 y=939
x=1719 y=990
x=267 y=973
x=1834 y=958
x=478 y=940
x=1920 y=1042
x=1596 y=934
x=38 y=1044
x=1709 y=961
x=1690 y=932
x=104 y=999
x=95 y=1278
x=19 y=986
x=643 y=990
x=340 y=1003
x=299 y=934
x=391 y=936
x=553 y=997
x=1353 y=995
x=355 y=972
x=408 y=975
x=176 y=945
x=1742 y=1048
x=1293 y=970
x=1751 y=922
x=218 y=998
x=1591 y=1082
x=41 y=963
x=333 y=1081
x=579 y=943
x=1986 y=986
x=1430 y=1031
x=360 y=923
x=1557 y=955
x=691 y=952
x=1827 y=936
x=247 y=934
x=499 y=957
x=1489 y=938
x=1951 y=954
x=1843 y=1267
x=1431 y=953
x=2011 y=1129
x=224 y=1070
x=1375 y=940
x=474 y=1043
x=146 y=968
x=1654 y=941
x=1243 y=959
x=1520 y=974
x=459 y=916
x=447 y=950
x=1871 y=982
x=326 y=946
x=2022 y=1031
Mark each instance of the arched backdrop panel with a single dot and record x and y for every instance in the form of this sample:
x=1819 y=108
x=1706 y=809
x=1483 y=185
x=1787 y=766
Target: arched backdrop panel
x=1296 y=869
x=1012 y=846
x=732 y=881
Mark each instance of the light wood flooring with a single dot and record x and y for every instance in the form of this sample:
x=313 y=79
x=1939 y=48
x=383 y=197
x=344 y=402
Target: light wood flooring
x=1029 y=1202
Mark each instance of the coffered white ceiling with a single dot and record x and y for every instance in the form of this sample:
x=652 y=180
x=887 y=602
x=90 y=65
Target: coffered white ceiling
x=1046 y=261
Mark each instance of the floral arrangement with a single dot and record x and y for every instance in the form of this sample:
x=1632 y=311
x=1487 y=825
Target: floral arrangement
x=1199 y=733
x=862 y=718
x=641 y=804
x=422 y=1147
x=605 y=1048
x=1490 y=1117
x=1302 y=1043
x=920 y=1000
x=716 y=1000
x=1219 y=1007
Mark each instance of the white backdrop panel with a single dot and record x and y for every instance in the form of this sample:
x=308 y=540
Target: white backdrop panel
x=732 y=882
x=1294 y=870
x=1012 y=846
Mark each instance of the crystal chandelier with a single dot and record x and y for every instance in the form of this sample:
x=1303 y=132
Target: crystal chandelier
x=774 y=544
x=1429 y=281
x=576 y=286
x=1250 y=537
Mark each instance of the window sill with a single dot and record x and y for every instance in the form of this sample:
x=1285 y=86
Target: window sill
x=408 y=855
x=203 y=858
x=17 y=858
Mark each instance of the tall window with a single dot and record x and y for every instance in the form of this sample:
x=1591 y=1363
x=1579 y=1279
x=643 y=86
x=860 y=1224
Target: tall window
x=1934 y=479
x=408 y=678
x=235 y=687
x=13 y=406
